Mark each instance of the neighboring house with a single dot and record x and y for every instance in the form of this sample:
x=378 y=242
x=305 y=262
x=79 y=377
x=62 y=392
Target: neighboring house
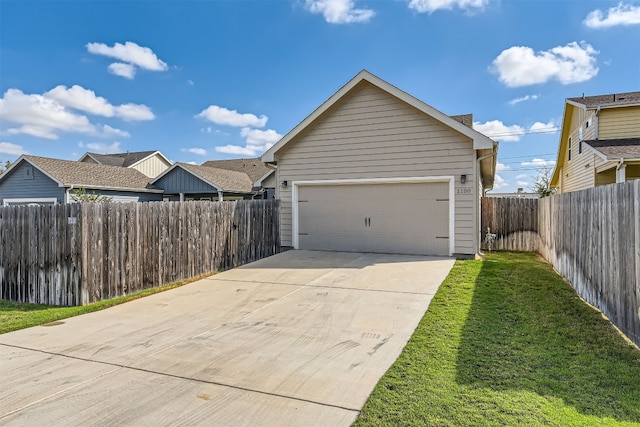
x=150 y=163
x=599 y=142
x=374 y=169
x=184 y=181
x=32 y=179
x=261 y=176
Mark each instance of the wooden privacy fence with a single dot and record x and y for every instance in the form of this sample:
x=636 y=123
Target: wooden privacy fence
x=514 y=222
x=591 y=237
x=80 y=253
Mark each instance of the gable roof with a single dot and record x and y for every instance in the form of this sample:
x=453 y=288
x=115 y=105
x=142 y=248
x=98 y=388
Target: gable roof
x=614 y=149
x=480 y=141
x=221 y=179
x=252 y=166
x=69 y=173
x=625 y=99
x=126 y=160
x=607 y=101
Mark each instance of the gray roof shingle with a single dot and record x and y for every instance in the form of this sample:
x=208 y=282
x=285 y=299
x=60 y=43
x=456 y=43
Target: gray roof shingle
x=617 y=148
x=465 y=119
x=610 y=99
x=91 y=175
x=252 y=167
x=226 y=180
x=121 y=159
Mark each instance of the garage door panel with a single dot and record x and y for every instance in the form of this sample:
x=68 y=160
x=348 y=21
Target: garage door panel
x=409 y=218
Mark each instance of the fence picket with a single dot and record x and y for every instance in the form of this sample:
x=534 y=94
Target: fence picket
x=591 y=237
x=81 y=253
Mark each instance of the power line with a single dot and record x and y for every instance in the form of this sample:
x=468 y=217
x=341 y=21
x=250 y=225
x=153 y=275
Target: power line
x=524 y=132
x=529 y=155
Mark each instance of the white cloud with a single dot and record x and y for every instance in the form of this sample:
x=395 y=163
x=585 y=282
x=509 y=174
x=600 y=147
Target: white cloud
x=40 y=116
x=622 y=14
x=100 y=148
x=190 y=82
x=257 y=142
x=523 y=99
x=430 y=6
x=82 y=99
x=236 y=149
x=522 y=176
x=522 y=183
x=539 y=127
x=13 y=149
x=497 y=130
x=134 y=112
x=198 y=151
x=121 y=69
x=131 y=53
x=260 y=137
x=339 y=11
x=521 y=66
x=500 y=167
x=499 y=182
x=536 y=162
x=47 y=115
x=222 y=116
x=111 y=132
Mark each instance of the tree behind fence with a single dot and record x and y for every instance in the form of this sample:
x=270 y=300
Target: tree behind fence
x=80 y=253
x=591 y=237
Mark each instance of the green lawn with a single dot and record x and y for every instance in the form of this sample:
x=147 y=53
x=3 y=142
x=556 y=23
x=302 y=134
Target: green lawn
x=14 y=316
x=507 y=342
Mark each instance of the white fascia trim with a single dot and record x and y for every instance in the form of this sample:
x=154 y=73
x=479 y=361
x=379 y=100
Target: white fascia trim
x=596 y=152
x=480 y=141
x=258 y=183
x=7 y=202
x=408 y=180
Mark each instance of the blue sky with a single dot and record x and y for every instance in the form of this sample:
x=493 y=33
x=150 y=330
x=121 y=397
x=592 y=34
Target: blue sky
x=203 y=80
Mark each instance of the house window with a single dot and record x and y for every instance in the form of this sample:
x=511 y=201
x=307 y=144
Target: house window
x=569 y=149
x=580 y=133
x=28 y=172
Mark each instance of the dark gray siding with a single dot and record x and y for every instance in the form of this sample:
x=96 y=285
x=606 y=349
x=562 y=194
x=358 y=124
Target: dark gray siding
x=18 y=185
x=179 y=181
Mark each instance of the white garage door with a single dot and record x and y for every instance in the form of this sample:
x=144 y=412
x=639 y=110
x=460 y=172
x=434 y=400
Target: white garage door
x=401 y=218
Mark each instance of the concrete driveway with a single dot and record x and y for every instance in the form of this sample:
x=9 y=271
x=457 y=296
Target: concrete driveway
x=300 y=338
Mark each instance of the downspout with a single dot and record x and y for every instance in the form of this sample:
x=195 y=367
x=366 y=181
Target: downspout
x=67 y=194
x=597 y=121
x=478 y=236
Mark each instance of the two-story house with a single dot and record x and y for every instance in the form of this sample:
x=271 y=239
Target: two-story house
x=599 y=142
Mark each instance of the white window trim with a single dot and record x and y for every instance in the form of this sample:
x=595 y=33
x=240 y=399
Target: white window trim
x=7 y=202
x=420 y=179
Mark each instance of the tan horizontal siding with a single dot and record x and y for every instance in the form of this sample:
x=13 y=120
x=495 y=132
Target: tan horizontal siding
x=370 y=134
x=619 y=123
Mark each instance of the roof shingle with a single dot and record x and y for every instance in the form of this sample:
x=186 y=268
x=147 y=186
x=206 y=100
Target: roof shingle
x=90 y=175
x=252 y=167
x=610 y=99
x=121 y=159
x=617 y=148
x=226 y=180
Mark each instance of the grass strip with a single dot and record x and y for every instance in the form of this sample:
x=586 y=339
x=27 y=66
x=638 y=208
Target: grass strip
x=506 y=341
